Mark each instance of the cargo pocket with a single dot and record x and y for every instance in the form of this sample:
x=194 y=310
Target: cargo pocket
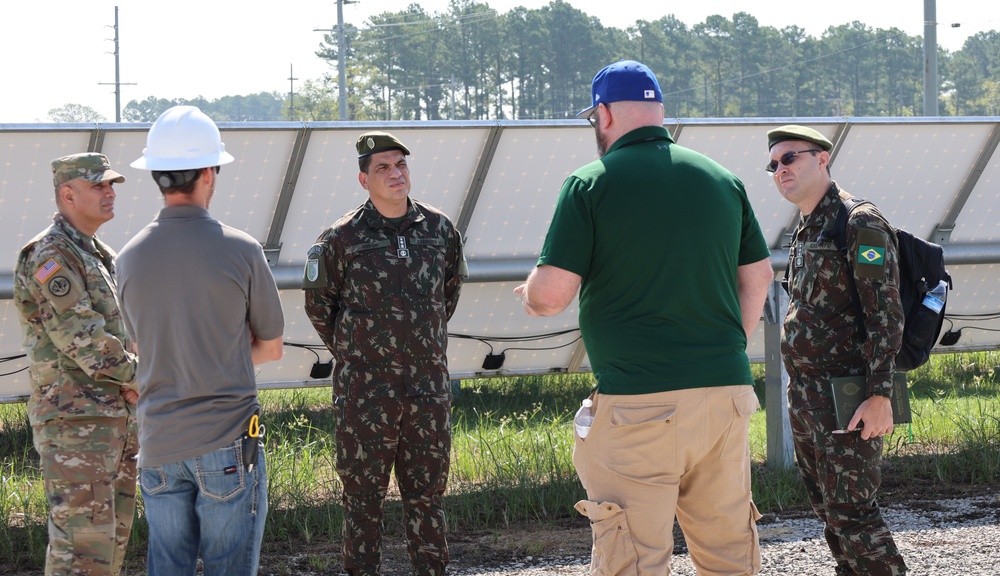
x=753 y=554
x=613 y=551
x=80 y=508
x=737 y=444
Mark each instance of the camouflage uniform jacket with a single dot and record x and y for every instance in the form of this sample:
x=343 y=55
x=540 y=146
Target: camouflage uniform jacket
x=820 y=338
x=65 y=292
x=380 y=300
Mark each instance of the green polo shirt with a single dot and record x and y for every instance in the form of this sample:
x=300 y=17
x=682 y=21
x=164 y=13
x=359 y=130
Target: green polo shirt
x=657 y=232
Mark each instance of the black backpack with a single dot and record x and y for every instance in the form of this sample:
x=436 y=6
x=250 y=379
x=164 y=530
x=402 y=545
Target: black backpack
x=921 y=268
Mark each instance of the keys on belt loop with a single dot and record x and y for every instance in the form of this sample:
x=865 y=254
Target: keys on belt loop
x=252 y=441
x=255 y=429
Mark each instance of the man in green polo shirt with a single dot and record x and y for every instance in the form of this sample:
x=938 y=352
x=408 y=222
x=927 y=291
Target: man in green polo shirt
x=672 y=272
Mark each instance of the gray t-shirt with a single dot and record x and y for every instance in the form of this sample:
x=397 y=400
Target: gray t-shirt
x=191 y=291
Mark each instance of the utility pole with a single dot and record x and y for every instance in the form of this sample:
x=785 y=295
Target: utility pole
x=341 y=60
x=341 y=55
x=452 y=86
x=930 y=59
x=118 y=84
x=291 y=92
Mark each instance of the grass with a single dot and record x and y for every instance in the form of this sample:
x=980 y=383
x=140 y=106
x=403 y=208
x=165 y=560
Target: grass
x=511 y=457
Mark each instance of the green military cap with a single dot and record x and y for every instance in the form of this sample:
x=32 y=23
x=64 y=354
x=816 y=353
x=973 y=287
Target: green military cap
x=796 y=132
x=372 y=142
x=90 y=166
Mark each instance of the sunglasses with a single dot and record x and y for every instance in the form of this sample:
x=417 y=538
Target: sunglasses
x=786 y=159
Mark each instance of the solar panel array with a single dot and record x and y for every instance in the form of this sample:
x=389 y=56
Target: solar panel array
x=498 y=181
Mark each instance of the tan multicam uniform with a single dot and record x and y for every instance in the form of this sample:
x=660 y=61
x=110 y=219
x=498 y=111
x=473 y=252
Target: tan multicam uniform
x=83 y=428
x=380 y=298
x=821 y=341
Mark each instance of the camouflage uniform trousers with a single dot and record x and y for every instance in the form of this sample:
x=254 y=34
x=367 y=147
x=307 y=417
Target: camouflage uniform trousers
x=842 y=475
x=89 y=469
x=414 y=435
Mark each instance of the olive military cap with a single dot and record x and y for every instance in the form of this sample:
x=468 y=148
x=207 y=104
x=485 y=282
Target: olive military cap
x=796 y=132
x=372 y=142
x=90 y=166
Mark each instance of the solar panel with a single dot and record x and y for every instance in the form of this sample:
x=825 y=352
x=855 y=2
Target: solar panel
x=498 y=181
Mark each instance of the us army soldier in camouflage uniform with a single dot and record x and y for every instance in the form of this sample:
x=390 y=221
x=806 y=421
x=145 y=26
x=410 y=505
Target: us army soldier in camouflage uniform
x=82 y=373
x=821 y=340
x=380 y=286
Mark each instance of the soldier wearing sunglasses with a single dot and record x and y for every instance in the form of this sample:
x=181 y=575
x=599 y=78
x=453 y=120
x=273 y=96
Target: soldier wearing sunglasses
x=823 y=339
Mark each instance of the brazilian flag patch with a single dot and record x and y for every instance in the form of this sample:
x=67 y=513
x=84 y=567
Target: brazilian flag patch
x=874 y=255
x=871 y=255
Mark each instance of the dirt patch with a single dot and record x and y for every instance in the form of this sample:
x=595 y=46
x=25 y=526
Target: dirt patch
x=481 y=550
x=477 y=551
x=468 y=549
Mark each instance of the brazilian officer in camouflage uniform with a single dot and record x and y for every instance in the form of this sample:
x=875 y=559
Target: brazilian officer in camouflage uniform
x=821 y=341
x=380 y=286
x=82 y=373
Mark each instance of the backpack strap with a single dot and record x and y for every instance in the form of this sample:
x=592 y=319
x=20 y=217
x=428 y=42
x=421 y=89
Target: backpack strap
x=840 y=240
x=788 y=265
x=847 y=208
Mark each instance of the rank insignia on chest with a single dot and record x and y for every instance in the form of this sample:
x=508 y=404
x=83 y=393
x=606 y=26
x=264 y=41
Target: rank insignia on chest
x=401 y=250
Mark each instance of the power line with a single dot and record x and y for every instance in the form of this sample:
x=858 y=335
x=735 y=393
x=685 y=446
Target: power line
x=439 y=27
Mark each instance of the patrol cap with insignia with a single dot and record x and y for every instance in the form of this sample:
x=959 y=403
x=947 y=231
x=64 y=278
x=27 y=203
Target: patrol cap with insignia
x=372 y=142
x=90 y=166
x=796 y=132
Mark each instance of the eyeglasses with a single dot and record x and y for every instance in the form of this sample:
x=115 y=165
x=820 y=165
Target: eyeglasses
x=786 y=159
x=592 y=117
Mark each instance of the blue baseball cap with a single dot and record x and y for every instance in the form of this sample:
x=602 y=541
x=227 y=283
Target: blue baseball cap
x=625 y=80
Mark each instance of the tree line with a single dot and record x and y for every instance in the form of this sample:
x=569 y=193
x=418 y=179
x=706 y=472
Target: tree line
x=474 y=63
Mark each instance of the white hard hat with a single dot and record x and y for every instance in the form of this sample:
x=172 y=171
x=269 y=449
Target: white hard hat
x=183 y=138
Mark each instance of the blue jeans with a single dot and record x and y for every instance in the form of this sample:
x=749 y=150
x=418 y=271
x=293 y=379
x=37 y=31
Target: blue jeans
x=208 y=504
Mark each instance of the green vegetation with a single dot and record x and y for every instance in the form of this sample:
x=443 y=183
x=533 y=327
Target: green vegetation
x=512 y=452
x=475 y=63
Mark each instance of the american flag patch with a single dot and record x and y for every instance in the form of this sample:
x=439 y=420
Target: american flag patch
x=47 y=270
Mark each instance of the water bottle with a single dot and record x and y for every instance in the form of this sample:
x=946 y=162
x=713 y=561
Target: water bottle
x=922 y=327
x=934 y=300
x=584 y=418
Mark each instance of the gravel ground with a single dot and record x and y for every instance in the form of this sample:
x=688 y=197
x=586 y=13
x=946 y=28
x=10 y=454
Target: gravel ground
x=942 y=538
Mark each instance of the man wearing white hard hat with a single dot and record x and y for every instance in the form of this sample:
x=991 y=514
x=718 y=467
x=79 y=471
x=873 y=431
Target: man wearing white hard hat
x=201 y=303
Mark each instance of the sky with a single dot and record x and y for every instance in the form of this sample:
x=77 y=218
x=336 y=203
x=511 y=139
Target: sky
x=57 y=52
